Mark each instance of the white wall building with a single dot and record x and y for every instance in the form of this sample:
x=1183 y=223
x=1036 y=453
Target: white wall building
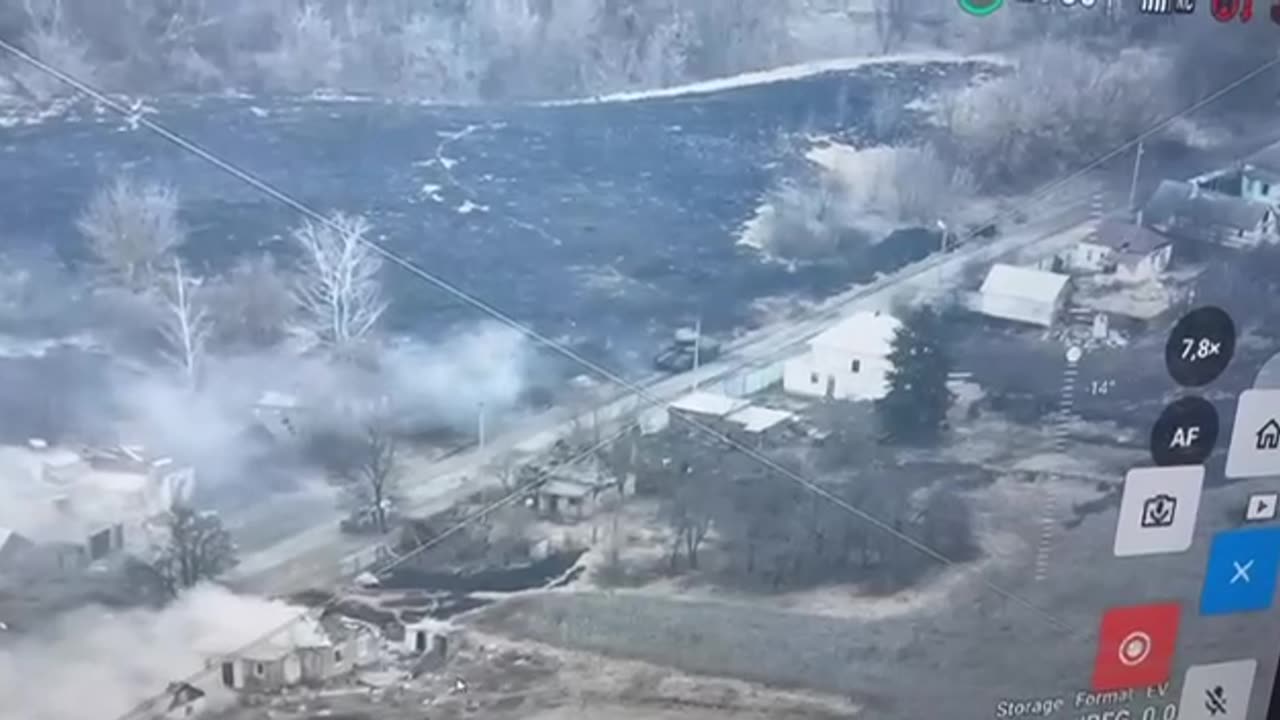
x=1023 y=295
x=849 y=361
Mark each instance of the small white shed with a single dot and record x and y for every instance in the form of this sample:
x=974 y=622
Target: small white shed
x=1023 y=295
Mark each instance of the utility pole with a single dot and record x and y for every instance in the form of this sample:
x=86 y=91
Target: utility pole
x=697 y=349
x=1133 y=188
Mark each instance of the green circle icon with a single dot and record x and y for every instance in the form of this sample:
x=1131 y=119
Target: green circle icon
x=980 y=7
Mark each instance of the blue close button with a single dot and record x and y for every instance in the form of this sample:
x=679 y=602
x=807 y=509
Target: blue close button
x=1242 y=571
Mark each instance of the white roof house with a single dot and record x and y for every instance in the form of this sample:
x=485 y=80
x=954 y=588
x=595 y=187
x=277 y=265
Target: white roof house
x=848 y=361
x=864 y=333
x=1022 y=294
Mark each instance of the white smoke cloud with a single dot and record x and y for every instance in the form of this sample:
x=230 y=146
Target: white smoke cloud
x=94 y=663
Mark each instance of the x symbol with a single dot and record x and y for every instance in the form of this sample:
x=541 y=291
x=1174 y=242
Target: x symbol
x=1242 y=571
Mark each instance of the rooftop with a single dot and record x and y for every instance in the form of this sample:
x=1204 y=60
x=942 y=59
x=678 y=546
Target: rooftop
x=863 y=332
x=1176 y=202
x=567 y=489
x=306 y=632
x=1126 y=237
x=705 y=403
x=754 y=418
x=1024 y=282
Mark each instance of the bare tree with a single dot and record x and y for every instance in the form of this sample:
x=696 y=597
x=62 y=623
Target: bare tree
x=253 y=303
x=132 y=228
x=185 y=325
x=372 y=479
x=688 y=510
x=892 y=22
x=339 y=296
x=197 y=548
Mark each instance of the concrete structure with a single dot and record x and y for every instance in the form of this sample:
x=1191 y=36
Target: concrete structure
x=1132 y=252
x=1023 y=295
x=1184 y=210
x=566 y=499
x=849 y=361
x=80 y=507
x=427 y=636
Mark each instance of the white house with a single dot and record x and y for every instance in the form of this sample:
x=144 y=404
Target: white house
x=848 y=361
x=1023 y=295
x=1131 y=252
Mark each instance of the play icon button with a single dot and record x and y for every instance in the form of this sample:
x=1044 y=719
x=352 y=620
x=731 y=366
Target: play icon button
x=1262 y=507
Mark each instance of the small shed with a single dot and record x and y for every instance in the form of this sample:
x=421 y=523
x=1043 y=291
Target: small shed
x=1023 y=295
x=564 y=498
x=428 y=636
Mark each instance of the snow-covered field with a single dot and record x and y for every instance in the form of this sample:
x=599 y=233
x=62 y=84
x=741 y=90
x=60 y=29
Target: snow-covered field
x=651 y=188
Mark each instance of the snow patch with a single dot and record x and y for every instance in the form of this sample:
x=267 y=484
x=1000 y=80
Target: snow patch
x=467 y=207
x=258 y=112
x=432 y=192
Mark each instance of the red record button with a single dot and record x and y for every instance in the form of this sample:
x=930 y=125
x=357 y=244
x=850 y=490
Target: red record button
x=1135 y=646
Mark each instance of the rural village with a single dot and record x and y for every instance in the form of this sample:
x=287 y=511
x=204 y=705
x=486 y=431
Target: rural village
x=635 y=513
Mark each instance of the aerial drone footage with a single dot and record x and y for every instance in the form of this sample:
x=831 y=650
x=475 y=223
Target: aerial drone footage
x=647 y=360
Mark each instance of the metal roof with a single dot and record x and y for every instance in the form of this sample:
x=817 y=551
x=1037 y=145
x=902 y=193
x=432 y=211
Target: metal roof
x=705 y=403
x=754 y=418
x=1024 y=282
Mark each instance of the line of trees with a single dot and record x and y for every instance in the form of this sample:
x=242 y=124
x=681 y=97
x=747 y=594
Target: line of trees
x=330 y=302
x=771 y=533
x=455 y=49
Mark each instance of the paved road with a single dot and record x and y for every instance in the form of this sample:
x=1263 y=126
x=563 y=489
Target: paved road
x=321 y=555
